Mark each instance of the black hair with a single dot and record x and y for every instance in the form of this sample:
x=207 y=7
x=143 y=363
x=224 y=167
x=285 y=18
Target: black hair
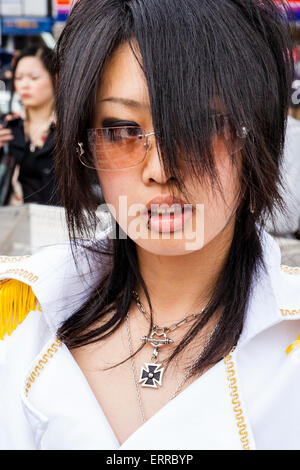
x=193 y=53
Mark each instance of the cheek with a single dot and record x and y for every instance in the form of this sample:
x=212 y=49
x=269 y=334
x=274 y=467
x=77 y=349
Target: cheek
x=220 y=204
x=43 y=89
x=124 y=200
x=118 y=188
x=113 y=185
x=229 y=177
x=18 y=85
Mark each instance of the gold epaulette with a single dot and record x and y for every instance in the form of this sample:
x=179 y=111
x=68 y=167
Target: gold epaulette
x=288 y=312
x=16 y=301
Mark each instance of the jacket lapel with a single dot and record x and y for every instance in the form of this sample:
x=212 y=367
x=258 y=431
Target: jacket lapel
x=60 y=406
x=208 y=415
x=64 y=414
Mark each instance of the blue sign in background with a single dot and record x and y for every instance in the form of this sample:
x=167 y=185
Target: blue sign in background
x=62 y=16
x=297 y=15
x=26 y=25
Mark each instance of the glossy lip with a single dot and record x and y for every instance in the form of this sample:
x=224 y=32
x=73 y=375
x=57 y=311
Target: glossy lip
x=168 y=223
x=166 y=201
x=25 y=95
x=171 y=224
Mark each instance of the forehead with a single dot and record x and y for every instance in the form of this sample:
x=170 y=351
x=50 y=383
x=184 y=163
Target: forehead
x=123 y=77
x=30 y=65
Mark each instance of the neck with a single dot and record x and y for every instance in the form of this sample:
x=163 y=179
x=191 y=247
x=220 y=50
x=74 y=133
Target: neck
x=41 y=113
x=180 y=285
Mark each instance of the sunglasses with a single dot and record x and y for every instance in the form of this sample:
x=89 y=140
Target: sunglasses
x=120 y=148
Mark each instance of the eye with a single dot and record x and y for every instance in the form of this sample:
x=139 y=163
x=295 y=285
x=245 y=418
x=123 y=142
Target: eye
x=133 y=132
x=119 y=134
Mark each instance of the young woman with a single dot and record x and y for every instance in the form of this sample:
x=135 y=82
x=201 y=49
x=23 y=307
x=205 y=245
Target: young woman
x=31 y=137
x=169 y=331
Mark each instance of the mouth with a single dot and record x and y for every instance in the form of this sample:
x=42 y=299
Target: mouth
x=168 y=217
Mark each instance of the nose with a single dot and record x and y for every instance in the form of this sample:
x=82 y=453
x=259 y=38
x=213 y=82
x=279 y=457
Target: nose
x=153 y=171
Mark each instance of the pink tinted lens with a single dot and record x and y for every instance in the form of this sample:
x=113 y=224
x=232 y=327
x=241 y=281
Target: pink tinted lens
x=116 y=148
x=226 y=139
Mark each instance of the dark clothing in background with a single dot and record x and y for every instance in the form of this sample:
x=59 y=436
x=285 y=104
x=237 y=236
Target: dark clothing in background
x=37 y=167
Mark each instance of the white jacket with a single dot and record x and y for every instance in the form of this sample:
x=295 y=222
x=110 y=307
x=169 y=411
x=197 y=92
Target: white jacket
x=250 y=400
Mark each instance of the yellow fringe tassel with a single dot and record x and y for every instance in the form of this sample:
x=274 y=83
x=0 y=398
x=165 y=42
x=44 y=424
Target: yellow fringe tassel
x=294 y=345
x=16 y=301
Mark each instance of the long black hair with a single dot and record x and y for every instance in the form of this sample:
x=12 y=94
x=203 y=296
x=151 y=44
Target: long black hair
x=193 y=53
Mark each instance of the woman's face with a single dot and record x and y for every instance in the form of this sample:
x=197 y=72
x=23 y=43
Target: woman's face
x=33 y=82
x=174 y=226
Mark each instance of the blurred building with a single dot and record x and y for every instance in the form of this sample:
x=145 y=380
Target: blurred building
x=25 y=229
x=30 y=22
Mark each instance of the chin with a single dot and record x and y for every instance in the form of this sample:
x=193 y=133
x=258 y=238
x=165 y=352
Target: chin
x=169 y=247
x=28 y=102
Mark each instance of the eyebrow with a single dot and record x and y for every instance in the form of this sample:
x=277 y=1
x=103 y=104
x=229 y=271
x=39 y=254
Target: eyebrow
x=125 y=102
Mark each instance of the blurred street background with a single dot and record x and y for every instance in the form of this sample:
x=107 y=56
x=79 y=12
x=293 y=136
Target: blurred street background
x=30 y=213
x=26 y=23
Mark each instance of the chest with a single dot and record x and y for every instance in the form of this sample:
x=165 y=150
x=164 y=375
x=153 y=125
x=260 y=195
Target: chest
x=126 y=403
x=37 y=133
x=212 y=412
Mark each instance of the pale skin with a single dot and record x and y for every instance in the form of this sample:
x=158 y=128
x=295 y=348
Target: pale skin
x=179 y=281
x=35 y=89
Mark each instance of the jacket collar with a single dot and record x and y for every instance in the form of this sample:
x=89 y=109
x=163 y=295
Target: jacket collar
x=61 y=286
x=264 y=305
x=70 y=288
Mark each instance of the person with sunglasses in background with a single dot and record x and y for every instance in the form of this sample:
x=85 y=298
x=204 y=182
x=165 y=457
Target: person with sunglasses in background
x=176 y=327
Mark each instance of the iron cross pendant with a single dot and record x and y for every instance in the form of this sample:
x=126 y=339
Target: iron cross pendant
x=151 y=375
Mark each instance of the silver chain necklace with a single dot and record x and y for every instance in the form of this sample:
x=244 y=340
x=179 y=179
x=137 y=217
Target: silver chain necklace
x=152 y=373
x=154 y=376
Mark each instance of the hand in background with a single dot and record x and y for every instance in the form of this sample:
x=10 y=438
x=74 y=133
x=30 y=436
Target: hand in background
x=6 y=134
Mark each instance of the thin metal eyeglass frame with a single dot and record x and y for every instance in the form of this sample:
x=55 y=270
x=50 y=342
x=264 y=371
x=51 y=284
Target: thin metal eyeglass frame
x=146 y=145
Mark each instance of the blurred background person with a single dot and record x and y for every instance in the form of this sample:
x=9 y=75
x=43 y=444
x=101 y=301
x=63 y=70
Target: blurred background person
x=29 y=138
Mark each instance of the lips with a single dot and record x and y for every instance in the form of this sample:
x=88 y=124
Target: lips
x=165 y=202
x=168 y=214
